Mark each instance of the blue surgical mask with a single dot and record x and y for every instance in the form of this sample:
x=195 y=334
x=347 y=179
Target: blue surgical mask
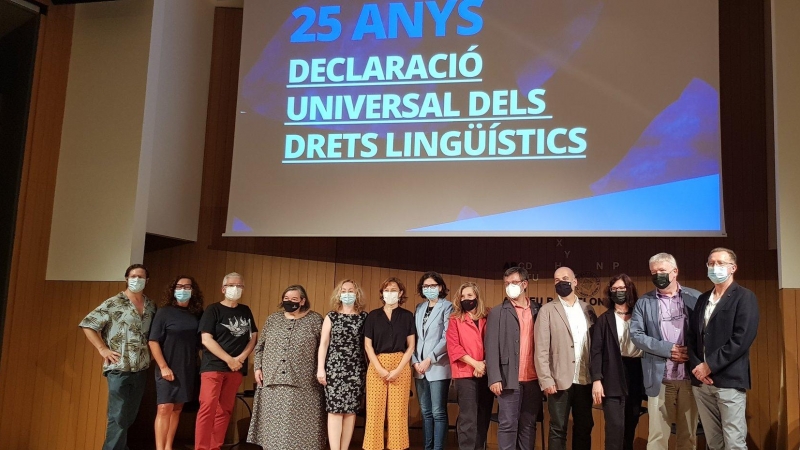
x=431 y=293
x=183 y=295
x=719 y=274
x=136 y=284
x=347 y=298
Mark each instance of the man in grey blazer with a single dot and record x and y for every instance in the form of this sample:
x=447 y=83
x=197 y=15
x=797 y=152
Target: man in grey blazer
x=563 y=340
x=659 y=326
x=508 y=346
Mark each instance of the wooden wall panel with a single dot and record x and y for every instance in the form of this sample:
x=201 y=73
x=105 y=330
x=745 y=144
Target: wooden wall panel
x=790 y=406
x=51 y=390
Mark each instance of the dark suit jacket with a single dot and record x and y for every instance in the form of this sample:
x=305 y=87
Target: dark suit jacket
x=727 y=339
x=606 y=360
x=501 y=343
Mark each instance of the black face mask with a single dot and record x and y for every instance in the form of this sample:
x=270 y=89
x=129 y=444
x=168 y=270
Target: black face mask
x=564 y=288
x=619 y=297
x=468 y=305
x=661 y=280
x=290 y=306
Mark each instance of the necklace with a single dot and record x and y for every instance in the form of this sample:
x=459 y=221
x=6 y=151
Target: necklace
x=622 y=313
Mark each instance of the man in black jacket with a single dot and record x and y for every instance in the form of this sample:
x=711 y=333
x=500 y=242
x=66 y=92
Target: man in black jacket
x=722 y=328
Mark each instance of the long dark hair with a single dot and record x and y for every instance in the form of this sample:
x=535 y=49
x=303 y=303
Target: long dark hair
x=195 y=303
x=630 y=291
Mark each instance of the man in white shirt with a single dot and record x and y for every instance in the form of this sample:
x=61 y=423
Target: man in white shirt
x=562 y=343
x=721 y=330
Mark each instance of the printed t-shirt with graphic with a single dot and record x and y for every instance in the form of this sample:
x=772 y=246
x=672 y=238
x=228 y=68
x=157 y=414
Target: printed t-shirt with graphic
x=231 y=328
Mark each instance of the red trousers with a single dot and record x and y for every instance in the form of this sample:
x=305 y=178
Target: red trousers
x=217 y=397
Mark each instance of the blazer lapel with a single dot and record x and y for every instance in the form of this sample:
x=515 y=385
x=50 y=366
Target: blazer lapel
x=700 y=314
x=563 y=314
x=420 y=314
x=652 y=314
x=437 y=308
x=588 y=312
x=723 y=302
x=612 y=325
x=508 y=305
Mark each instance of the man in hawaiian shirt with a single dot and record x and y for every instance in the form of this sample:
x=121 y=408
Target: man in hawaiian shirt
x=118 y=329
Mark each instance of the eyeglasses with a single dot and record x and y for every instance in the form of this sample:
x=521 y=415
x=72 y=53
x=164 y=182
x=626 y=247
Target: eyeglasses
x=711 y=265
x=240 y=286
x=515 y=283
x=187 y=287
x=429 y=286
x=618 y=289
x=672 y=313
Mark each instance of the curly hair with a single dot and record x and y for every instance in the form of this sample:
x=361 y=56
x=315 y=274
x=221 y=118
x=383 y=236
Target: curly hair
x=195 y=303
x=336 y=302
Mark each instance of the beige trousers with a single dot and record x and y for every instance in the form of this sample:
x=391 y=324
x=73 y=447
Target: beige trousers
x=674 y=404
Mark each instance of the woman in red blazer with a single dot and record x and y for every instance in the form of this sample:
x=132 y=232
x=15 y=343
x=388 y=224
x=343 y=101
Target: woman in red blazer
x=465 y=346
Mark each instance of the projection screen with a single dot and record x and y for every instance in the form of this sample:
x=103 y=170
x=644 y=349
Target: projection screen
x=477 y=118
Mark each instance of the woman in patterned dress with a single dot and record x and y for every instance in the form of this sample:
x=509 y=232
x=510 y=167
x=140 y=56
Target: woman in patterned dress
x=341 y=366
x=288 y=404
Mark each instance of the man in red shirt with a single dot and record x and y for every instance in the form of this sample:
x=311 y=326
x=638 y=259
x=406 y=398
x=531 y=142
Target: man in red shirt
x=509 y=363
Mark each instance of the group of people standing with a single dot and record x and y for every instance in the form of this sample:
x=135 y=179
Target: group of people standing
x=687 y=352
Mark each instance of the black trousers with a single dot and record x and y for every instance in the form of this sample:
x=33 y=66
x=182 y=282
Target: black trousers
x=475 y=402
x=578 y=400
x=622 y=413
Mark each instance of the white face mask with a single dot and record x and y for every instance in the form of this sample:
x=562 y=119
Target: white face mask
x=513 y=291
x=233 y=293
x=391 y=297
x=718 y=274
x=347 y=298
x=136 y=284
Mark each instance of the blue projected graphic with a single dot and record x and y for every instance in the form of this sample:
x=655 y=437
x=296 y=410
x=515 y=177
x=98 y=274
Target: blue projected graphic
x=603 y=213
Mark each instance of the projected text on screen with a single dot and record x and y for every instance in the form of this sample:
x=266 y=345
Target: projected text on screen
x=473 y=134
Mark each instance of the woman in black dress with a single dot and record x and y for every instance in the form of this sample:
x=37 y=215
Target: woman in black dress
x=173 y=344
x=341 y=366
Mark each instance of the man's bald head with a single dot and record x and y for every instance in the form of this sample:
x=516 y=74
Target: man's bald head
x=565 y=282
x=564 y=274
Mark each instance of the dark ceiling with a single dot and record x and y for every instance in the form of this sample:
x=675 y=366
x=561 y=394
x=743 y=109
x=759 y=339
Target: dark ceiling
x=12 y=16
